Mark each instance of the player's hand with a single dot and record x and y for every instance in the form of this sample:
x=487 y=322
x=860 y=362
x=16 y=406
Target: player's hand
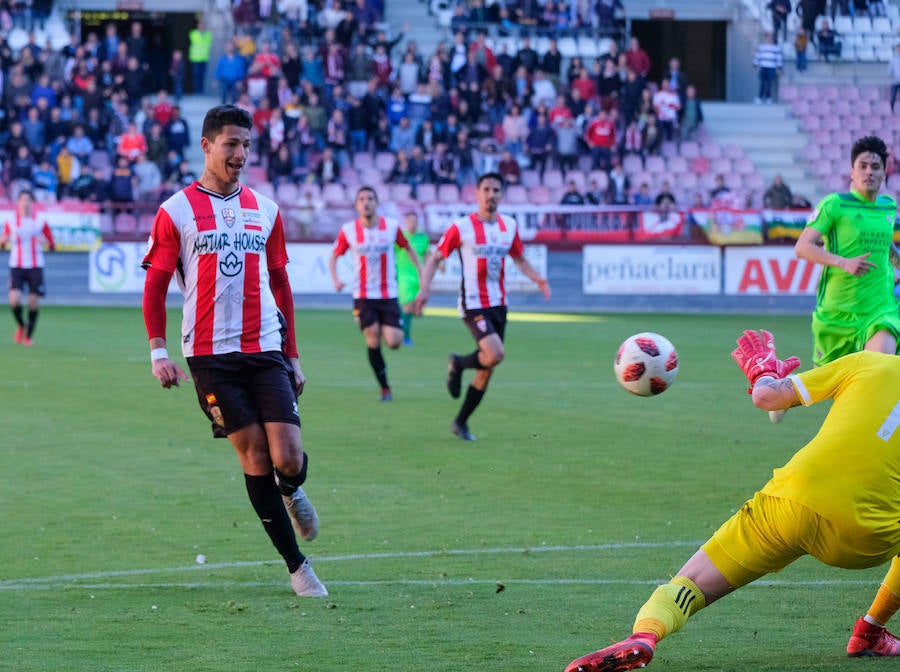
x=168 y=373
x=757 y=358
x=544 y=286
x=298 y=380
x=420 y=302
x=338 y=285
x=858 y=266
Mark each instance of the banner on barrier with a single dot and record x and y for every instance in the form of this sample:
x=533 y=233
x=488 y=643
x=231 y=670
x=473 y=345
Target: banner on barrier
x=75 y=226
x=769 y=270
x=651 y=269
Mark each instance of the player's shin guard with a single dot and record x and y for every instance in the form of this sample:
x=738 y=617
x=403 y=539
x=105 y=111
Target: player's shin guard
x=376 y=361
x=669 y=608
x=266 y=500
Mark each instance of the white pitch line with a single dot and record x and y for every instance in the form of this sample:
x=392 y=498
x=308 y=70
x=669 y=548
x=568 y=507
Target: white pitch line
x=64 y=581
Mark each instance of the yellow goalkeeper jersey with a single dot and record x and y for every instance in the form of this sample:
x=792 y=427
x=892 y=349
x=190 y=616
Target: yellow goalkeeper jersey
x=849 y=473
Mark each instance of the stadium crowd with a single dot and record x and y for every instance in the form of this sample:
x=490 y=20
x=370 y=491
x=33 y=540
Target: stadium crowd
x=328 y=89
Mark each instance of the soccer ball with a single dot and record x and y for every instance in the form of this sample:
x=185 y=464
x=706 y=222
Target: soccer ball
x=646 y=364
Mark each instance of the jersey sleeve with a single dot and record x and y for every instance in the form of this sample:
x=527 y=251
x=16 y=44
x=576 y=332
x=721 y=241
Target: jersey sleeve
x=449 y=241
x=823 y=217
x=402 y=240
x=276 y=250
x=824 y=381
x=164 y=245
x=340 y=244
x=516 y=250
x=48 y=236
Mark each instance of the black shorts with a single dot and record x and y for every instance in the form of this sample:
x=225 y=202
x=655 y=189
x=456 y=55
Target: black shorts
x=385 y=312
x=33 y=277
x=486 y=321
x=237 y=390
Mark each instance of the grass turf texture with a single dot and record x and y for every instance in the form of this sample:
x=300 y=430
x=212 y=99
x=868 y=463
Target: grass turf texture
x=520 y=552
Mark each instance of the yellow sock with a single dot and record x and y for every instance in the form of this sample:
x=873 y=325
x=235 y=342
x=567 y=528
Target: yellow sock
x=887 y=599
x=669 y=607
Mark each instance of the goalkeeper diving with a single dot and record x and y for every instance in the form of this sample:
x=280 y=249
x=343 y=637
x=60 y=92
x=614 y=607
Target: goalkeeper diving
x=835 y=499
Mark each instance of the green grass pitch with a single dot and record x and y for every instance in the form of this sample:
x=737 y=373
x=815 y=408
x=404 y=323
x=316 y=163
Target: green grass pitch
x=520 y=552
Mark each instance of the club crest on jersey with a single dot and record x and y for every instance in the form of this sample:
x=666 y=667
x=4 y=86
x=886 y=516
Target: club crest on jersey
x=229 y=217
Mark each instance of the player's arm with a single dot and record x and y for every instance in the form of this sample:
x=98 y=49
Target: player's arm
x=48 y=237
x=525 y=266
x=404 y=243
x=809 y=246
x=767 y=375
x=284 y=299
x=425 y=278
x=4 y=236
x=775 y=394
x=340 y=246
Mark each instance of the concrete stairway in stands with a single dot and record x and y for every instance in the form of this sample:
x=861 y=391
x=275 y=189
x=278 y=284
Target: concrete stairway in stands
x=769 y=137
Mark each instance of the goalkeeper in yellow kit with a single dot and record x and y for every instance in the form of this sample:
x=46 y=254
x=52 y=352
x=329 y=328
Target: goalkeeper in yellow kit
x=835 y=499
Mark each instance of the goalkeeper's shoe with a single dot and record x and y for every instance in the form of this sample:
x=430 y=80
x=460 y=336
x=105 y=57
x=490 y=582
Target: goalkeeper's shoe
x=871 y=640
x=629 y=654
x=305 y=582
x=303 y=514
x=19 y=336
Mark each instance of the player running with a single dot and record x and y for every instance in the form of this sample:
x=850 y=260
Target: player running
x=226 y=243
x=408 y=275
x=371 y=239
x=835 y=500
x=27 y=238
x=482 y=240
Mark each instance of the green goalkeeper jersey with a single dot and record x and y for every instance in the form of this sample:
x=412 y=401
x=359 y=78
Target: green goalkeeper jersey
x=852 y=226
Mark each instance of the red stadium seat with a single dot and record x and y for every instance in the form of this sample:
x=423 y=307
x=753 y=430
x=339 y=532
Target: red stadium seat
x=426 y=193
x=632 y=163
x=124 y=222
x=448 y=193
x=690 y=149
x=553 y=178
x=363 y=160
x=401 y=192
x=540 y=195
x=530 y=178
x=517 y=195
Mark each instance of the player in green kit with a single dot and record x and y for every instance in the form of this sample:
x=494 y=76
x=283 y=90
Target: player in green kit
x=407 y=273
x=855 y=307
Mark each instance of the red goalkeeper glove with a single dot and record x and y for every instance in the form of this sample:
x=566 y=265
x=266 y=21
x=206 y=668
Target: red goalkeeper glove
x=756 y=356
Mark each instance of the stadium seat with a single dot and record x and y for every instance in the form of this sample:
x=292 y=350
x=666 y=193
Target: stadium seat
x=862 y=25
x=145 y=222
x=687 y=181
x=553 y=178
x=711 y=150
x=811 y=152
x=787 y=92
x=690 y=149
x=698 y=165
x=370 y=175
x=334 y=194
x=540 y=195
x=732 y=150
x=600 y=177
x=843 y=25
x=124 y=222
x=517 y=195
x=467 y=193
x=851 y=122
x=363 y=160
x=632 y=163
x=567 y=47
x=655 y=165
x=384 y=161
x=811 y=122
x=106 y=223
x=426 y=193
x=448 y=193
x=400 y=192
x=265 y=188
x=99 y=158
x=720 y=166
x=530 y=178
x=668 y=149
x=588 y=48
x=287 y=193
x=841 y=107
x=578 y=177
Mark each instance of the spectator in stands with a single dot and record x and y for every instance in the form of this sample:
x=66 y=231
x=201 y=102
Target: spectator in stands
x=509 y=168
x=566 y=143
x=230 y=72
x=527 y=57
x=515 y=130
x=177 y=73
x=809 y=10
x=34 y=130
x=400 y=172
x=571 y=196
x=540 y=143
x=768 y=61
x=720 y=191
x=328 y=171
x=637 y=59
x=801 y=41
x=200 y=44
x=551 y=62
x=419 y=169
x=313 y=70
x=427 y=138
x=642 y=197
x=829 y=45
x=148 y=179
x=381 y=67
x=302 y=142
x=403 y=136
x=83 y=184
x=79 y=144
x=123 y=182
x=131 y=143
x=465 y=159
x=443 y=165
x=877 y=8
x=68 y=167
x=667 y=105
x=778 y=195
x=544 y=93
x=585 y=85
x=692 y=115
x=618 y=191
x=632 y=142
x=780 y=9
x=665 y=198
x=281 y=166
x=45 y=181
x=630 y=96
x=600 y=137
x=381 y=135
x=606 y=16
x=338 y=139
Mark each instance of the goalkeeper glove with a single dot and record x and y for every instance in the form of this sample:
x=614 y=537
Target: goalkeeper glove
x=756 y=356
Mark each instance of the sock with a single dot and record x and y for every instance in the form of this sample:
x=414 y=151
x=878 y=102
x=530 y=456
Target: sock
x=470 y=361
x=287 y=485
x=266 y=501
x=407 y=326
x=17 y=313
x=32 y=320
x=376 y=360
x=669 y=607
x=884 y=606
x=473 y=398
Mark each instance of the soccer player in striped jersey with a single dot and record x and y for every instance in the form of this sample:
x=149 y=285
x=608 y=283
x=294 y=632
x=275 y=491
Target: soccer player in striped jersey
x=835 y=500
x=225 y=244
x=482 y=240
x=27 y=238
x=371 y=238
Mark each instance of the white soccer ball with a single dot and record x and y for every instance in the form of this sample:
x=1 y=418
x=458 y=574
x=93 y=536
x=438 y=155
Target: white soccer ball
x=646 y=364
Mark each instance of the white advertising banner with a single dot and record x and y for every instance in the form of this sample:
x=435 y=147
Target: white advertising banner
x=651 y=269
x=116 y=268
x=769 y=271
x=308 y=270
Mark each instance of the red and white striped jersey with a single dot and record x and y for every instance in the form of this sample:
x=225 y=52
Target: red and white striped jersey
x=374 y=263
x=221 y=249
x=26 y=241
x=482 y=248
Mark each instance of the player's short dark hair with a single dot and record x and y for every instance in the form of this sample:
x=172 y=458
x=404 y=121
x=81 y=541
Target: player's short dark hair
x=366 y=187
x=870 y=143
x=491 y=176
x=25 y=192
x=224 y=115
